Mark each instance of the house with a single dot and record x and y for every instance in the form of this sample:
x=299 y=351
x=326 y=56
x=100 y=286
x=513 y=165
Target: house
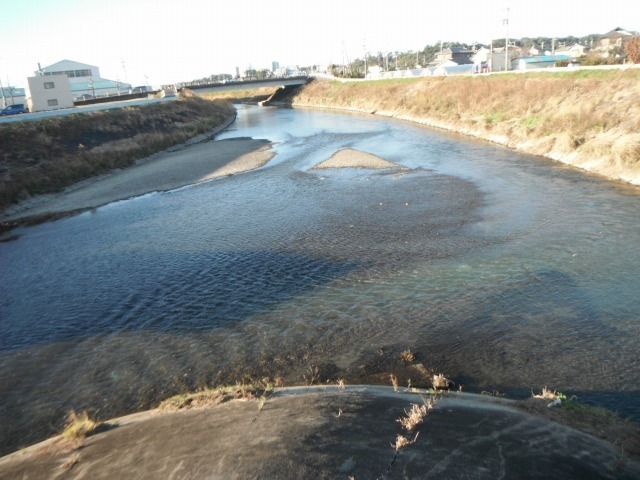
x=482 y=60
x=459 y=55
x=84 y=79
x=538 y=61
x=450 y=67
x=499 y=56
x=49 y=93
x=574 y=51
x=12 y=96
x=616 y=39
x=375 y=71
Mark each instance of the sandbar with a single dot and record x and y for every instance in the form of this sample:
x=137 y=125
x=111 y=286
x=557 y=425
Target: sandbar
x=352 y=158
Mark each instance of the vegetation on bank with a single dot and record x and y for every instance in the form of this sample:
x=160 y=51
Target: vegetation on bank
x=249 y=95
x=586 y=118
x=47 y=155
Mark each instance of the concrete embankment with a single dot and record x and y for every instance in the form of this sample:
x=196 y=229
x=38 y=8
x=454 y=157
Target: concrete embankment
x=331 y=432
x=590 y=119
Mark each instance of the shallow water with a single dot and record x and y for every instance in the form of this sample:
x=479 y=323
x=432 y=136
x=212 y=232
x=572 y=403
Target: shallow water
x=504 y=271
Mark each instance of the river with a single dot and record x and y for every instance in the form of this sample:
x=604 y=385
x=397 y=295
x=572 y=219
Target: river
x=505 y=272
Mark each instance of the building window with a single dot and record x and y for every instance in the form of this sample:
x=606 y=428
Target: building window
x=48 y=85
x=52 y=103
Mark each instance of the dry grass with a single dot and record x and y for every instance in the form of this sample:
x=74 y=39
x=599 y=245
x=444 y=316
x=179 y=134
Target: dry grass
x=79 y=426
x=416 y=415
x=440 y=382
x=547 y=394
x=47 y=155
x=402 y=441
x=407 y=357
x=311 y=376
x=587 y=118
x=210 y=397
x=252 y=95
x=394 y=382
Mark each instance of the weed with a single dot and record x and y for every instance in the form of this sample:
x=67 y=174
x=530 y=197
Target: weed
x=547 y=394
x=313 y=375
x=79 y=426
x=394 y=382
x=212 y=396
x=407 y=357
x=440 y=382
x=342 y=383
x=402 y=441
x=416 y=415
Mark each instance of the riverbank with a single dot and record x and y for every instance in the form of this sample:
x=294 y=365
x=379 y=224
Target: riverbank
x=175 y=168
x=46 y=156
x=588 y=119
x=331 y=432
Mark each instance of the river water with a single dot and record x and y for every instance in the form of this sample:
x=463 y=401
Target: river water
x=503 y=271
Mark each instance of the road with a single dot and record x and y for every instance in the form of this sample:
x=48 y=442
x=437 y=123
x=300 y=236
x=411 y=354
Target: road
x=27 y=117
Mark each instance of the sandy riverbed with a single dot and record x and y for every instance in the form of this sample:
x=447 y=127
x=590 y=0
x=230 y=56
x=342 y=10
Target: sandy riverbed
x=175 y=168
x=186 y=165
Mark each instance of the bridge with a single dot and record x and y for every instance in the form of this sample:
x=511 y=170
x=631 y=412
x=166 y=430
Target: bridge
x=286 y=82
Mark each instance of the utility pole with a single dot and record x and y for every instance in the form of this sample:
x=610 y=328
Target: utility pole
x=364 y=47
x=505 y=22
x=126 y=78
x=4 y=99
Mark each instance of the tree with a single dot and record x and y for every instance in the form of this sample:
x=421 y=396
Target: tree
x=633 y=49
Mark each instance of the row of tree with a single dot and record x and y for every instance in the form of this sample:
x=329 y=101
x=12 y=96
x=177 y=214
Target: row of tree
x=390 y=61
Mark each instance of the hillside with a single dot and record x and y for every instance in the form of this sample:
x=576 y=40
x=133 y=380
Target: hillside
x=587 y=118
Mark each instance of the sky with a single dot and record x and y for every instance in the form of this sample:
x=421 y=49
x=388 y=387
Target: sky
x=162 y=41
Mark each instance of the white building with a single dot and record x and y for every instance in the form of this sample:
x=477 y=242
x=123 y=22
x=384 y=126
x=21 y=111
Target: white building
x=49 y=93
x=85 y=79
x=12 y=96
x=574 y=51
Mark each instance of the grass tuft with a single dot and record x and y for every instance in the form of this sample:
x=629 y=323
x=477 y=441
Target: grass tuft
x=394 y=382
x=79 y=426
x=311 y=376
x=440 y=382
x=407 y=357
x=416 y=415
x=402 y=442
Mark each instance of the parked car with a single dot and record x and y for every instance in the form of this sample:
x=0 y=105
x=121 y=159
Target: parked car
x=86 y=96
x=141 y=89
x=14 y=109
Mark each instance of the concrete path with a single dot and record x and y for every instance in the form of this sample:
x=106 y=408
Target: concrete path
x=329 y=432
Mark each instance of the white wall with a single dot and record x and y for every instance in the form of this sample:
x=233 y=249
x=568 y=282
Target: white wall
x=50 y=92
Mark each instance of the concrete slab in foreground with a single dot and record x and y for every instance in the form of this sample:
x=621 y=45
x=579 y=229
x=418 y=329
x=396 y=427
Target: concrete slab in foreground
x=328 y=432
